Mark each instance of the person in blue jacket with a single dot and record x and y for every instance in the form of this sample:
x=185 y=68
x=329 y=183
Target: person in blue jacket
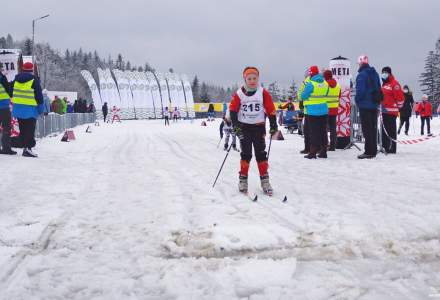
x=368 y=89
x=5 y=115
x=314 y=93
x=28 y=104
x=46 y=101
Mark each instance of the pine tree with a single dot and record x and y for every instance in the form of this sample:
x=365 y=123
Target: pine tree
x=274 y=90
x=9 y=42
x=120 y=62
x=195 y=86
x=2 y=43
x=292 y=92
x=128 y=66
x=148 y=68
x=428 y=77
x=204 y=93
x=67 y=55
x=27 y=47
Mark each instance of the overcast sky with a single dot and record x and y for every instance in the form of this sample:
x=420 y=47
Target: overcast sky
x=216 y=39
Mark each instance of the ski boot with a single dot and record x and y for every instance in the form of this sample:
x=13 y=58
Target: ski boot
x=234 y=147
x=265 y=185
x=27 y=152
x=243 y=184
x=225 y=147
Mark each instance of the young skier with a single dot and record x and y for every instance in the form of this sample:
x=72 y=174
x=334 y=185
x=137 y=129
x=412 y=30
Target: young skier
x=166 y=116
x=226 y=130
x=248 y=109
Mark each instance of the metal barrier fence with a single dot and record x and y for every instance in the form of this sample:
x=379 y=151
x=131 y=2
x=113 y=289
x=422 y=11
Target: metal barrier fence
x=55 y=123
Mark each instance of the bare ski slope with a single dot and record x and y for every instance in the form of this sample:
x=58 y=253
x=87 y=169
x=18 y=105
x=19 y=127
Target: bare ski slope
x=127 y=212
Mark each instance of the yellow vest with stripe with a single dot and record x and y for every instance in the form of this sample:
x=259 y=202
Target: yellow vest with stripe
x=333 y=96
x=3 y=94
x=301 y=89
x=319 y=95
x=24 y=93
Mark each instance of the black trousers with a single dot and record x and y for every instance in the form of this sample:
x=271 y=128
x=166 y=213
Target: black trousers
x=306 y=133
x=5 y=121
x=253 y=135
x=318 y=133
x=167 y=120
x=27 y=132
x=369 y=129
x=404 y=120
x=428 y=124
x=389 y=124
x=331 y=123
x=105 y=117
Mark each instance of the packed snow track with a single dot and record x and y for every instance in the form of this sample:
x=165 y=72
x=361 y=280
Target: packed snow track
x=128 y=212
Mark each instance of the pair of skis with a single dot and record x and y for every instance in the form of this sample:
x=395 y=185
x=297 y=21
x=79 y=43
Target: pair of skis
x=254 y=197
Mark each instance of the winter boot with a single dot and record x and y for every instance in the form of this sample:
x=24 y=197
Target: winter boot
x=243 y=184
x=305 y=151
x=323 y=153
x=27 y=152
x=312 y=153
x=265 y=184
x=366 y=156
x=226 y=147
x=234 y=147
x=8 y=152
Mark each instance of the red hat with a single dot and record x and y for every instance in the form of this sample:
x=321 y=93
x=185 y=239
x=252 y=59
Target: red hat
x=313 y=70
x=28 y=66
x=328 y=74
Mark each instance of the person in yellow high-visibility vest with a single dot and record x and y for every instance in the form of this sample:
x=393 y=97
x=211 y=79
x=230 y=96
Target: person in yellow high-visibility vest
x=27 y=99
x=333 y=97
x=314 y=97
x=5 y=115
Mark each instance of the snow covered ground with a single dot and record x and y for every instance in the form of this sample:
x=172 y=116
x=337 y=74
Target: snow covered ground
x=127 y=212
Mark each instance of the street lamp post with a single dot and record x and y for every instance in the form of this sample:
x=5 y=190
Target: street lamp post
x=33 y=34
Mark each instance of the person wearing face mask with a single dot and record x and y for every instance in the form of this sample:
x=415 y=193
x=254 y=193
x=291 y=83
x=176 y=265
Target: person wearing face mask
x=424 y=108
x=393 y=100
x=406 y=110
x=248 y=110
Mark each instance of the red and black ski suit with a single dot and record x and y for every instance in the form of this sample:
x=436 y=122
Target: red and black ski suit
x=248 y=112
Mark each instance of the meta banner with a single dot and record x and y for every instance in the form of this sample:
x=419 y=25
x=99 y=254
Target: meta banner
x=9 y=64
x=341 y=69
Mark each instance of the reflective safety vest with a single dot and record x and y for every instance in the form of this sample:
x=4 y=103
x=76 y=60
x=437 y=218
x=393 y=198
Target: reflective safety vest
x=24 y=93
x=319 y=95
x=3 y=95
x=333 y=96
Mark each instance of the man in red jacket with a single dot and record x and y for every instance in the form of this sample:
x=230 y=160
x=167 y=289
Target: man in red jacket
x=248 y=109
x=424 y=108
x=393 y=100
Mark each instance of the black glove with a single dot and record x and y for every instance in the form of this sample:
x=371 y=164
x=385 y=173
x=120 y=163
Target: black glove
x=238 y=132
x=273 y=125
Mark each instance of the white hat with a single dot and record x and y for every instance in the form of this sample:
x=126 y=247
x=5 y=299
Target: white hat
x=44 y=91
x=425 y=97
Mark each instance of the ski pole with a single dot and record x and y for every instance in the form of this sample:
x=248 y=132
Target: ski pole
x=218 y=145
x=221 y=168
x=270 y=144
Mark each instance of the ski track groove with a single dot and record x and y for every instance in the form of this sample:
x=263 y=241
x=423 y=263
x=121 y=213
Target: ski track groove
x=43 y=241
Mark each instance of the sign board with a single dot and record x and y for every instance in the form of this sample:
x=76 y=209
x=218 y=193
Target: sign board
x=9 y=60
